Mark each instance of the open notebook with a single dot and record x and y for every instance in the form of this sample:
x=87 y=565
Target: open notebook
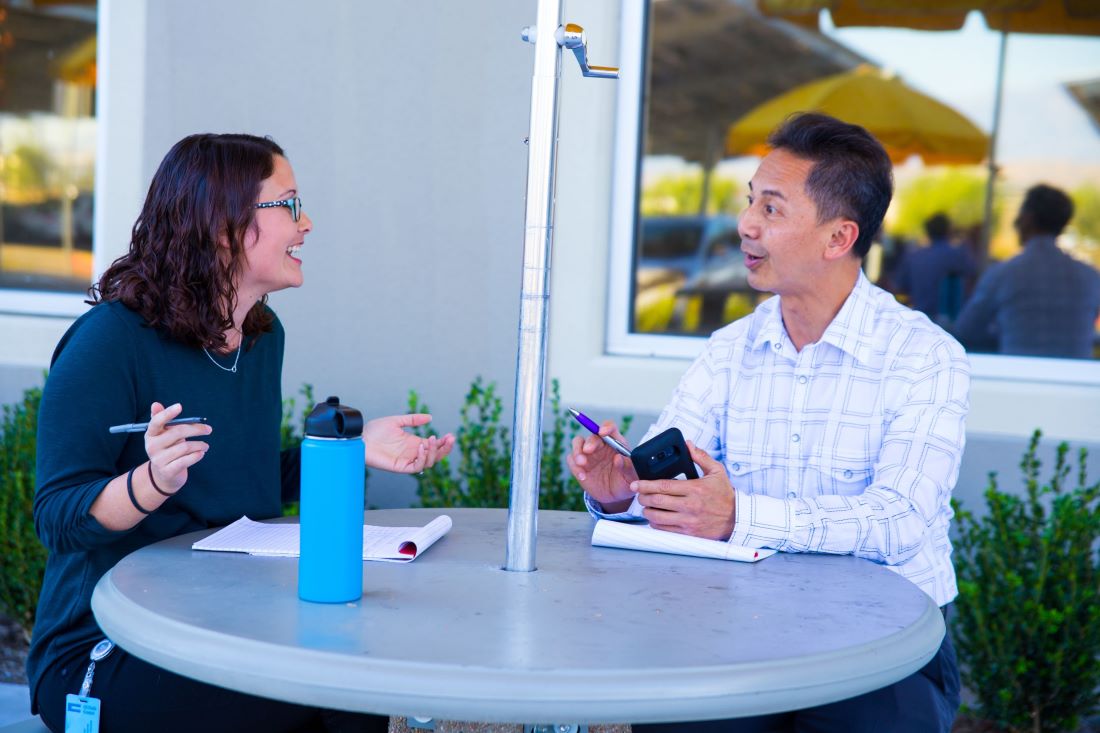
x=388 y=544
x=629 y=536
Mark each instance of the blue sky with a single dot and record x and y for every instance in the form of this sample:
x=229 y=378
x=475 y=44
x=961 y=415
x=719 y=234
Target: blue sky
x=1039 y=118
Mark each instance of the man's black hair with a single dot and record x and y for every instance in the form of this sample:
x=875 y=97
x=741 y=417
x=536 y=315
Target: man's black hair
x=937 y=226
x=1049 y=209
x=852 y=175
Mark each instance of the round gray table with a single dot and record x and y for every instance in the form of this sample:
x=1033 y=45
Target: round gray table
x=594 y=635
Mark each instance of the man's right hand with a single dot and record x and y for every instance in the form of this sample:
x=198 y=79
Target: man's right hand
x=602 y=472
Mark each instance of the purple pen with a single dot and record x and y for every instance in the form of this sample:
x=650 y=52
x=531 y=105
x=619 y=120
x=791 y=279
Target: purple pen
x=593 y=428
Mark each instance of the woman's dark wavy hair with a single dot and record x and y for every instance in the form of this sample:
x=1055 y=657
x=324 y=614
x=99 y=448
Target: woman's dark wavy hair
x=177 y=275
x=852 y=175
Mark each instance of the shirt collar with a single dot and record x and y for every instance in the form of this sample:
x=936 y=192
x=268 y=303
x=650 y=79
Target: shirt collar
x=851 y=330
x=845 y=332
x=1042 y=241
x=771 y=330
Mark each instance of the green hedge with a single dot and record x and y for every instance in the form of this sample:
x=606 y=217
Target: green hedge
x=478 y=471
x=1027 y=620
x=23 y=556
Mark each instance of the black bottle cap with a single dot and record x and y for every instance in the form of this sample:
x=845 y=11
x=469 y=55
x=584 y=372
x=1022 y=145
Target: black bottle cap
x=330 y=419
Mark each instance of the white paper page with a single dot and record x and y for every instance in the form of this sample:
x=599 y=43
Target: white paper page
x=427 y=535
x=284 y=540
x=643 y=537
x=255 y=538
x=386 y=543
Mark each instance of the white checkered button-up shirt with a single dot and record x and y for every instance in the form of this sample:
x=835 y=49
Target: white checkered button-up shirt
x=851 y=446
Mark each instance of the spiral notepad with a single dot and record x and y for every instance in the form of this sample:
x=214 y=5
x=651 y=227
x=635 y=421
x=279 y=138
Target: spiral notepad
x=386 y=544
x=628 y=536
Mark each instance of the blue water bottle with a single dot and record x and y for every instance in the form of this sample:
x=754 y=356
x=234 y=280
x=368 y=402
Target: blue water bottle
x=330 y=569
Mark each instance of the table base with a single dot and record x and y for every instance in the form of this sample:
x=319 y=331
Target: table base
x=404 y=725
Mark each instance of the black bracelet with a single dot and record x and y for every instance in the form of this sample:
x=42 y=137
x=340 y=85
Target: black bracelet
x=153 y=481
x=130 y=491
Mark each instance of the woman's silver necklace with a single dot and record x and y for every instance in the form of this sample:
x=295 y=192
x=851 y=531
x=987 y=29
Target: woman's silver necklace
x=235 y=359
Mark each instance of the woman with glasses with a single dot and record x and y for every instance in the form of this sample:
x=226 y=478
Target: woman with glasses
x=180 y=327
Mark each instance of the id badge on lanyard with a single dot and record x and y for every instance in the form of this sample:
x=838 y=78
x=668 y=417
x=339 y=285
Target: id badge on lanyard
x=82 y=710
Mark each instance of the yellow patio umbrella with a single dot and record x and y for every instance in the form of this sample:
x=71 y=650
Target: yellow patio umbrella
x=906 y=121
x=1061 y=17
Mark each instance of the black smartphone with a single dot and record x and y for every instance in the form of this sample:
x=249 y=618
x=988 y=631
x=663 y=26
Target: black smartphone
x=663 y=456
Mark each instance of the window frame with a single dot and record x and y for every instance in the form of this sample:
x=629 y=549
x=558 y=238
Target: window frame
x=49 y=303
x=39 y=318
x=41 y=303
x=626 y=167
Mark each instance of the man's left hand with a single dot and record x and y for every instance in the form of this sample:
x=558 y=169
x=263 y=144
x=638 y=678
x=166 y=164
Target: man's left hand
x=702 y=507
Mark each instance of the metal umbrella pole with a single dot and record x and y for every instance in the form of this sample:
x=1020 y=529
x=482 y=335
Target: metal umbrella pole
x=991 y=179
x=549 y=36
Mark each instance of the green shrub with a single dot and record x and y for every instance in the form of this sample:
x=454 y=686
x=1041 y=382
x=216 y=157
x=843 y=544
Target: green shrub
x=293 y=427
x=23 y=556
x=483 y=452
x=1027 y=621
x=292 y=430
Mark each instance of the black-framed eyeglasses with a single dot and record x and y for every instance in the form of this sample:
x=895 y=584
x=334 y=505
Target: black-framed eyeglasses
x=294 y=204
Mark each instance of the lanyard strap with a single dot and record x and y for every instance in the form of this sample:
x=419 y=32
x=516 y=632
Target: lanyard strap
x=99 y=651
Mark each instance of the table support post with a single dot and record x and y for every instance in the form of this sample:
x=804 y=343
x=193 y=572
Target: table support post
x=538 y=236
x=549 y=36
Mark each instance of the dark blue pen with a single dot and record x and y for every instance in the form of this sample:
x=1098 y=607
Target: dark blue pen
x=593 y=428
x=141 y=427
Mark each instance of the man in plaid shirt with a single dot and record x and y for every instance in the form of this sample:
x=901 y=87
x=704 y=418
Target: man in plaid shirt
x=831 y=419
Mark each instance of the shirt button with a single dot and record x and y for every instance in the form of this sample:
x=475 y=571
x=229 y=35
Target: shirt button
x=847 y=473
x=802 y=380
x=736 y=467
x=792 y=495
x=795 y=438
x=778 y=346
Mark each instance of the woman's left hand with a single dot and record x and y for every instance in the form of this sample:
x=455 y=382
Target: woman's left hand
x=390 y=448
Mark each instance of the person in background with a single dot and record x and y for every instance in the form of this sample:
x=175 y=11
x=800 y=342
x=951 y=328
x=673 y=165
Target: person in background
x=937 y=277
x=1042 y=302
x=830 y=420
x=180 y=326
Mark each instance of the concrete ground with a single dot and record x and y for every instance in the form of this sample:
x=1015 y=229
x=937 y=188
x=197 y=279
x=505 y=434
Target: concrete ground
x=15 y=704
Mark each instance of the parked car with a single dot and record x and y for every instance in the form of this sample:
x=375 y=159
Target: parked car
x=680 y=244
x=687 y=269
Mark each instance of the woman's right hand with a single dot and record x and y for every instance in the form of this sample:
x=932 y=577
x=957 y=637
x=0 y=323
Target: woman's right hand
x=169 y=450
x=601 y=471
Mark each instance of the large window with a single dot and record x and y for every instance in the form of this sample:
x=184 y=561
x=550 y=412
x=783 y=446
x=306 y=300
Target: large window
x=676 y=273
x=47 y=146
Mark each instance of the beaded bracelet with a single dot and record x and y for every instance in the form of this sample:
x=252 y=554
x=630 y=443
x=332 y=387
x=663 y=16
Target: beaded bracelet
x=130 y=491
x=153 y=481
